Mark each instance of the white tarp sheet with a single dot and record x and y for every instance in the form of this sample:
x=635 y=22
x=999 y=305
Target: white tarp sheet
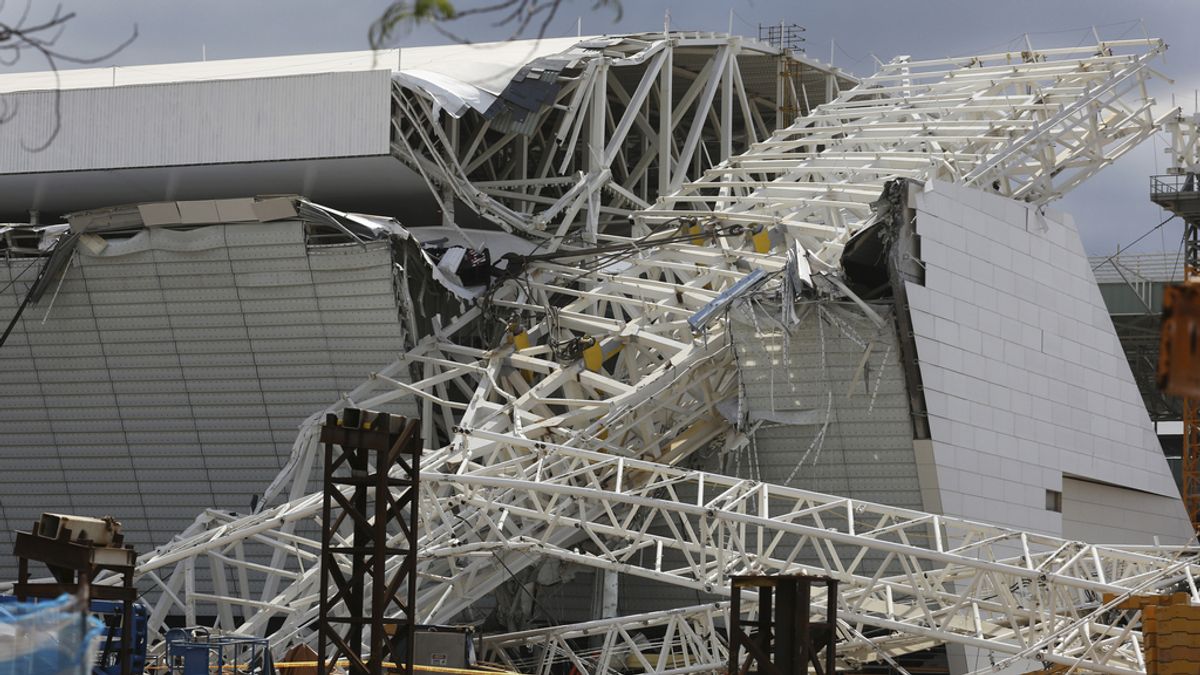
x=451 y=95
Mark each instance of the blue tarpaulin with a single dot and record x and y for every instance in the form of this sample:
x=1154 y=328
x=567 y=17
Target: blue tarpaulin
x=50 y=637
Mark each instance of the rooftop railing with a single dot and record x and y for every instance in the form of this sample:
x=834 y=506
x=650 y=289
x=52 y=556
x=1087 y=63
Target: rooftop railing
x=1174 y=183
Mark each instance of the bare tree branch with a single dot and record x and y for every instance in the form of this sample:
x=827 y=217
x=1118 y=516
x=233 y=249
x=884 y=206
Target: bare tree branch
x=41 y=38
x=404 y=15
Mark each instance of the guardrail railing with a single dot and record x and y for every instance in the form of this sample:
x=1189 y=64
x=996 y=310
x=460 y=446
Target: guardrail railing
x=1174 y=182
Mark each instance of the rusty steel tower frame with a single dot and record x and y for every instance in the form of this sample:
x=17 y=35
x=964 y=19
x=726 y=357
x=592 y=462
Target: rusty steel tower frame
x=371 y=482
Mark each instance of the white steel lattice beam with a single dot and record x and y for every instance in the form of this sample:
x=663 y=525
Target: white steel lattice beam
x=1027 y=125
x=691 y=642
x=912 y=573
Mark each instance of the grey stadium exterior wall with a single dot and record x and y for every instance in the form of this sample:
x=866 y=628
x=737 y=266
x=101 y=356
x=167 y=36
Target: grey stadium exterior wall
x=171 y=372
x=321 y=115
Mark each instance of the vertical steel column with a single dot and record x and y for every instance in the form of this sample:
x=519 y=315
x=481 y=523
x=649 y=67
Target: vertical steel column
x=726 y=118
x=789 y=620
x=734 y=627
x=765 y=614
x=831 y=603
x=1177 y=368
x=372 y=471
x=1190 y=461
x=597 y=120
x=787 y=640
x=666 y=127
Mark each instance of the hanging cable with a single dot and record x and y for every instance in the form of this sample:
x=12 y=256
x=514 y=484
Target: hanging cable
x=1132 y=243
x=28 y=294
x=19 y=275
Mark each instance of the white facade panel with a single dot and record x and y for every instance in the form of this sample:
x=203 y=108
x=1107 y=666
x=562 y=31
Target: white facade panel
x=314 y=116
x=844 y=372
x=1107 y=514
x=1025 y=382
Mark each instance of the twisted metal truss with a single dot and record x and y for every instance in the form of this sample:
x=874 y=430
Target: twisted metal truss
x=571 y=448
x=631 y=117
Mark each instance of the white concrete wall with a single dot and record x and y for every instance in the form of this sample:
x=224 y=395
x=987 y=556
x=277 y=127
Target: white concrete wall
x=1024 y=378
x=1106 y=514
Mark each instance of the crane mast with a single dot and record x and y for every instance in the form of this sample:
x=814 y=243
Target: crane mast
x=1178 y=374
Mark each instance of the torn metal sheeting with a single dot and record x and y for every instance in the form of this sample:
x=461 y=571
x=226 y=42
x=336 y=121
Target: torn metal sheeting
x=25 y=239
x=55 y=266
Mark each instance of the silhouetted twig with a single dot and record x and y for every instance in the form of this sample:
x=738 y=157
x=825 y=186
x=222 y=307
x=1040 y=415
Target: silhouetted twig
x=519 y=15
x=41 y=37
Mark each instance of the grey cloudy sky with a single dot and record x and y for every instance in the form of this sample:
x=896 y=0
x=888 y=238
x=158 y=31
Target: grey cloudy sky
x=1112 y=209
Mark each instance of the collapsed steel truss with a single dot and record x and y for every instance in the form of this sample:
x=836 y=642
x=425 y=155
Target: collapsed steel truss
x=565 y=440
x=631 y=118
x=1029 y=125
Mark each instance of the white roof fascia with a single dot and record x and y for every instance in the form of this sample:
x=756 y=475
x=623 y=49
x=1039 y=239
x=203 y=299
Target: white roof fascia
x=488 y=66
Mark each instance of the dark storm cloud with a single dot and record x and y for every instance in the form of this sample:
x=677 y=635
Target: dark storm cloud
x=1111 y=209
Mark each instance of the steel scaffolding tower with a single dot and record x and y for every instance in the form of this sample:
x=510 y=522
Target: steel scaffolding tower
x=787 y=641
x=372 y=477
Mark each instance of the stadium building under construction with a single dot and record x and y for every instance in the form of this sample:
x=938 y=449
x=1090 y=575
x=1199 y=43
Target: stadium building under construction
x=670 y=308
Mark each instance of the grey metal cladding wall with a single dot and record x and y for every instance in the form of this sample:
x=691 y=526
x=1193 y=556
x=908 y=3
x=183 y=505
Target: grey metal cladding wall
x=867 y=448
x=165 y=381
x=276 y=118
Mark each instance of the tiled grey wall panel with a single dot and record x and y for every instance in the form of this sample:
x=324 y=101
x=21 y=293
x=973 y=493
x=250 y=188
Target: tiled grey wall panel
x=173 y=378
x=1024 y=378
